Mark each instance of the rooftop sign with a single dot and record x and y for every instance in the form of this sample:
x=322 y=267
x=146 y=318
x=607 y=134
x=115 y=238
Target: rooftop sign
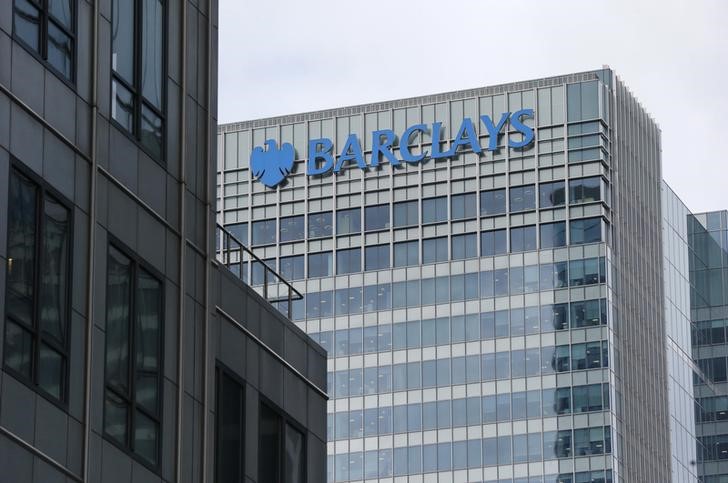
x=272 y=165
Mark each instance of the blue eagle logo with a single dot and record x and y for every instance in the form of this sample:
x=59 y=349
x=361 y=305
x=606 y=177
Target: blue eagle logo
x=272 y=165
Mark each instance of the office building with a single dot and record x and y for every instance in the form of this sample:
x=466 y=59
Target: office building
x=128 y=352
x=485 y=269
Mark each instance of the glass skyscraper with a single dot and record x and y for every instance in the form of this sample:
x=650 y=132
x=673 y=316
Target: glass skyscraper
x=495 y=314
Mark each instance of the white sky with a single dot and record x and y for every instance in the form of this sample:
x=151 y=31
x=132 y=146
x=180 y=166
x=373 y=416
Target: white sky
x=287 y=56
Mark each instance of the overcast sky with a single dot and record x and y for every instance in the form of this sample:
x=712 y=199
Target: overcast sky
x=288 y=56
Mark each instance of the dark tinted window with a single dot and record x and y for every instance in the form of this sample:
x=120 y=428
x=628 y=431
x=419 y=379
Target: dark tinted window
x=376 y=217
x=405 y=213
x=230 y=435
x=264 y=232
x=464 y=246
x=585 y=190
x=523 y=238
x=348 y=221
x=587 y=230
x=552 y=194
x=37 y=286
x=434 y=210
x=464 y=206
x=320 y=225
x=348 y=261
x=291 y=228
x=493 y=202
x=134 y=316
x=320 y=264
x=376 y=257
x=406 y=253
x=434 y=250
x=553 y=234
x=493 y=243
x=137 y=86
x=523 y=198
x=48 y=29
x=292 y=268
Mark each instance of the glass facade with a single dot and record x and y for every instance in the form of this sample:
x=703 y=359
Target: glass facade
x=468 y=304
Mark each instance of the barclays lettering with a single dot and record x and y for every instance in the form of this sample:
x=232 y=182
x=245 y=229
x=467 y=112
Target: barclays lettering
x=274 y=164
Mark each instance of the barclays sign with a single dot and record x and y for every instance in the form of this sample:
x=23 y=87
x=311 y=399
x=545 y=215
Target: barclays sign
x=272 y=165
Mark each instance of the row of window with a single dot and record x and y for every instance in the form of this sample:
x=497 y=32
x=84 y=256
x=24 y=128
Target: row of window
x=710 y=332
x=712 y=448
x=281 y=442
x=474 y=453
x=467 y=369
x=434 y=250
x=48 y=30
x=471 y=411
x=462 y=328
x=407 y=213
x=708 y=409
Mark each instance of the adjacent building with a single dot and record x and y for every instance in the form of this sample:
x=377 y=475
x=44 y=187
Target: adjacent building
x=505 y=287
x=129 y=353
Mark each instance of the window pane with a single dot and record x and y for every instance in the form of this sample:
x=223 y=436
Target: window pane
x=320 y=225
x=230 y=420
x=406 y=253
x=122 y=106
x=27 y=23
x=523 y=238
x=146 y=435
x=320 y=264
x=21 y=248
x=264 y=232
x=60 y=50
x=434 y=250
x=405 y=213
x=54 y=270
x=152 y=132
x=116 y=414
x=122 y=39
x=295 y=456
x=51 y=369
x=147 y=341
x=493 y=202
x=553 y=235
x=376 y=257
x=348 y=261
x=348 y=221
x=61 y=10
x=268 y=445
x=118 y=296
x=291 y=268
x=523 y=198
x=376 y=217
x=463 y=206
x=493 y=243
x=434 y=210
x=588 y=230
x=152 y=48
x=18 y=349
x=291 y=228
x=552 y=194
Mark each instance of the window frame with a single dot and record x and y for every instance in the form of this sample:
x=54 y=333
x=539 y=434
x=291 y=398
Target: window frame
x=221 y=370
x=284 y=419
x=128 y=448
x=44 y=189
x=136 y=89
x=43 y=38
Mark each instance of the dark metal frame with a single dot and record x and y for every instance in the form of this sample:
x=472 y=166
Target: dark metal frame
x=223 y=371
x=285 y=419
x=42 y=52
x=43 y=191
x=135 y=90
x=137 y=264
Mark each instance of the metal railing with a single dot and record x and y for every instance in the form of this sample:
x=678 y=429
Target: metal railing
x=253 y=271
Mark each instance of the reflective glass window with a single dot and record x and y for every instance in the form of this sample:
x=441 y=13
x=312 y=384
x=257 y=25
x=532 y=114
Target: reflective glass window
x=348 y=221
x=320 y=225
x=376 y=217
x=493 y=202
x=291 y=228
x=434 y=210
x=522 y=198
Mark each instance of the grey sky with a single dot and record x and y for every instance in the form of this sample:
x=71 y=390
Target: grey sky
x=286 y=56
